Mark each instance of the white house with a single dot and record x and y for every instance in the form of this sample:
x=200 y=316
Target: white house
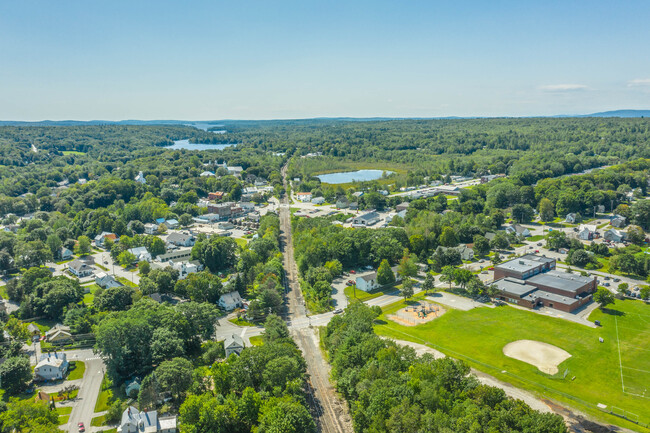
x=570 y=218
x=103 y=280
x=318 y=200
x=368 y=282
x=134 y=421
x=101 y=238
x=79 y=269
x=233 y=344
x=586 y=232
x=58 y=334
x=230 y=301
x=150 y=229
x=614 y=235
x=140 y=178
x=51 y=366
x=207 y=174
x=141 y=254
x=171 y=224
x=518 y=230
x=185 y=268
x=303 y=196
x=366 y=219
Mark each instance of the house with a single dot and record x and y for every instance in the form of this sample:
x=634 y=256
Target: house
x=235 y=170
x=466 y=253
x=225 y=226
x=132 y=387
x=185 y=268
x=105 y=281
x=101 y=238
x=357 y=194
x=233 y=344
x=180 y=239
x=58 y=334
x=140 y=178
x=354 y=206
x=207 y=174
x=618 y=221
x=134 y=421
x=518 y=230
x=161 y=298
x=34 y=331
x=368 y=282
x=230 y=301
x=367 y=219
x=150 y=229
x=171 y=224
x=383 y=192
x=570 y=218
x=303 y=196
x=160 y=221
x=614 y=235
x=586 y=232
x=141 y=254
x=65 y=254
x=212 y=196
x=318 y=200
x=490 y=235
x=79 y=269
x=402 y=206
x=601 y=208
x=51 y=366
x=342 y=203
x=208 y=218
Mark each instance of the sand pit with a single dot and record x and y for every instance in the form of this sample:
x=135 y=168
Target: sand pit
x=417 y=314
x=545 y=357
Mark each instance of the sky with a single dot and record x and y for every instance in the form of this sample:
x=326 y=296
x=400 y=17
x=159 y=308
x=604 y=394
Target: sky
x=261 y=59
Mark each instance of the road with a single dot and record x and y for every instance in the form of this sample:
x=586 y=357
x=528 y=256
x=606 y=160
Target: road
x=89 y=387
x=329 y=411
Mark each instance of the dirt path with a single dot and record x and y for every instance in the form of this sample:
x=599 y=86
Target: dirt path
x=329 y=411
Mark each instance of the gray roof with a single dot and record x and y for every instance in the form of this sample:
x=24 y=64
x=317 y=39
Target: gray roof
x=515 y=286
x=524 y=263
x=561 y=280
x=549 y=296
x=178 y=237
x=77 y=265
x=134 y=416
x=233 y=339
x=368 y=216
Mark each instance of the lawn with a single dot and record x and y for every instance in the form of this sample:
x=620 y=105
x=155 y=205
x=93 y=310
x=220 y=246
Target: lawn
x=78 y=371
x=594 y=370
x=72 y=152
x=360 y=295
x=103 y=268
x=241 y=322
x=103 y=400
x=241 y=242
x=64 y=414
x=257 y=340
x=535 y=238
x=126 y=282
x=98 y=421
x=3 y=292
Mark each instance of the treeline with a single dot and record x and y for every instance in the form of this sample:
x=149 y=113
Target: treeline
x=390 y=389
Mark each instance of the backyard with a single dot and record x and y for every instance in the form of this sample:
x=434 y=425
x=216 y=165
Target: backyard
x=595 y=373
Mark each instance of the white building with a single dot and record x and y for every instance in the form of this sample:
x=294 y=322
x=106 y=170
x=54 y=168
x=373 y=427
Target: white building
x=150 y=229
x=318 y=200
x=79 y=269
x=106 y=281
x=367 y=283
x=586 y=232
x=614 y=235
x=140 y=178
x=303 y=196
x=570 y=218
x=366 y=219
x=141 y=254
x=51 y=366
x=233 y=344
x=230 y=301
x=618 y=221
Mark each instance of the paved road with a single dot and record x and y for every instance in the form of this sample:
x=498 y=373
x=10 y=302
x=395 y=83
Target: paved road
x=89 y=387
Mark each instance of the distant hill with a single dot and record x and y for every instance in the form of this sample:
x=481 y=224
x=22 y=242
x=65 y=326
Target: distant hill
x=620 y=113
x=205 y=124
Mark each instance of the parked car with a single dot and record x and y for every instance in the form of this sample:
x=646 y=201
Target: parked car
x=350 y=283
x=338 y=311
x=606 y=284
x=82 y=428
x=616 y=280
x=606 y=278
x=352 y=271
x=539 y=244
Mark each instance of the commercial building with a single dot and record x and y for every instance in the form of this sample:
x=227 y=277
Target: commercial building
x=532 y=281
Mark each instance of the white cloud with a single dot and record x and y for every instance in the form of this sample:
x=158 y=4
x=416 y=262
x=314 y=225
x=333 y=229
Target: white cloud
x=638 y=82
x=563 y=87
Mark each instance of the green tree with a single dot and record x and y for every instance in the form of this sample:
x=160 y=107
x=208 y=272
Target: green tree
x=407 y=288
x=28 y=416
x=274 y=329
x=126 y=258
x=54 y=243
x=523 y=213
x=546 y=209
x=144 y=267
x=407 y=266
x=385 y=274
x=641 y=213
x=285 y=415
x=429 y=284
x=499 y=242
x=165 y=345
x=645 y=293
x=83 y=245
x=481 y=246
x=448 y=274
x=604 y=297
x=15 y=374
x=622 y=288
x=635 y=234
x=216 y=253
x=175 y=376
x=448 y=237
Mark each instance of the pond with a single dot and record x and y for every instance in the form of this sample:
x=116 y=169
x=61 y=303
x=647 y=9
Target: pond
x=352 y=176
x=185 y=144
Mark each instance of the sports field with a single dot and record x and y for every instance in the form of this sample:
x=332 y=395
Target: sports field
x=614 y=373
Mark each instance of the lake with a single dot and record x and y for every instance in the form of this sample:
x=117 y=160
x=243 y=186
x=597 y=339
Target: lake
x=352 y=176
x=185 y=144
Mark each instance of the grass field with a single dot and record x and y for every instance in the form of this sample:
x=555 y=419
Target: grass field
x=240 y=322
x=241 y=242
x=257 y=340
x=360 y=295
x=622 y=382
x=78 y=371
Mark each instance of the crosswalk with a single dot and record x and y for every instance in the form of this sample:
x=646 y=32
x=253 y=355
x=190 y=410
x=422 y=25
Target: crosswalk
x=92 y=359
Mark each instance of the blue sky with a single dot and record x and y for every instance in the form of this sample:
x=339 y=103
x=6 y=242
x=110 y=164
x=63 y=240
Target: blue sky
x=251 y=59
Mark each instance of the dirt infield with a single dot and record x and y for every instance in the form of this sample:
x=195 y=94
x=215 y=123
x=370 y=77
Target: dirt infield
x=417 y=314
x=544 y=356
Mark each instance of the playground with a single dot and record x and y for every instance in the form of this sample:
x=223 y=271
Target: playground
x=417 y=314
